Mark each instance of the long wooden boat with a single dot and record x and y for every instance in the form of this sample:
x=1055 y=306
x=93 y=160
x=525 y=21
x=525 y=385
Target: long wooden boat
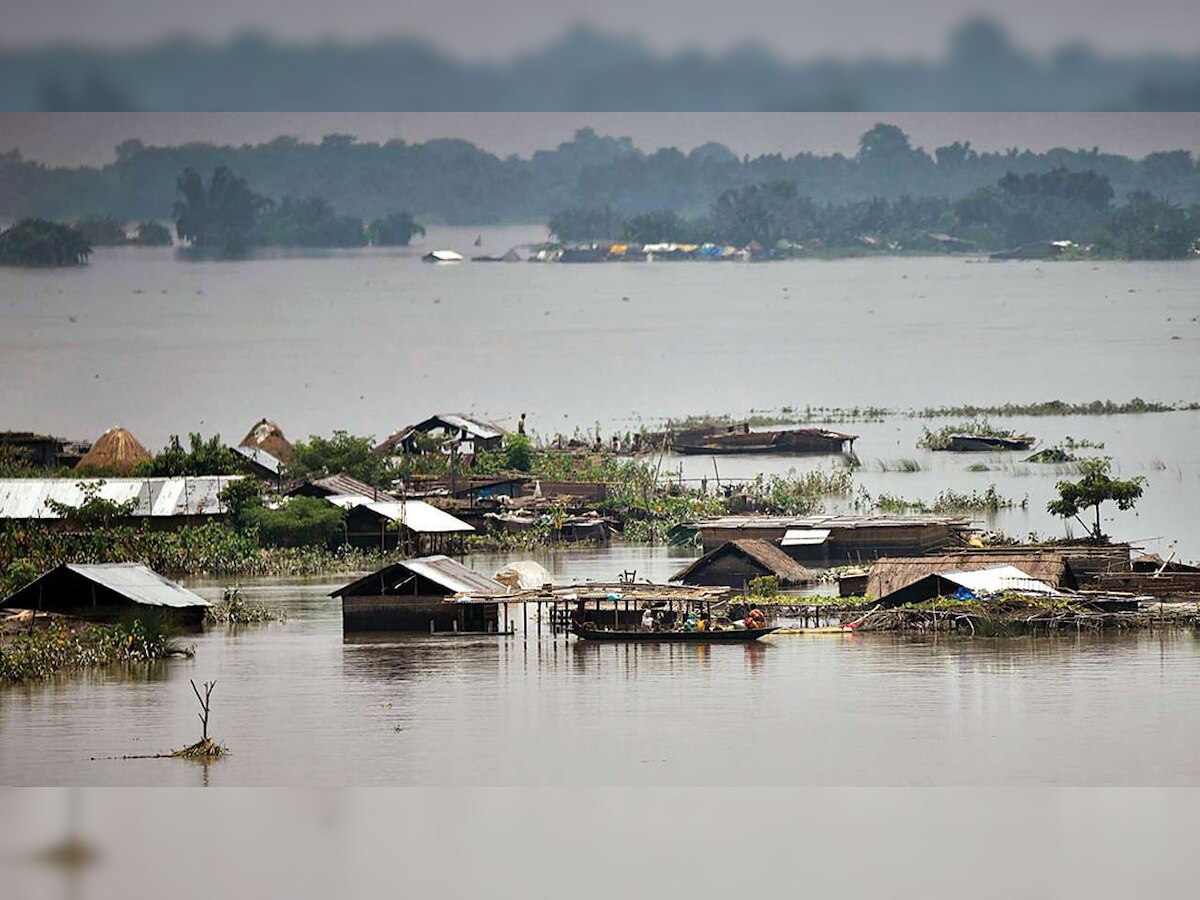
x=585 y=633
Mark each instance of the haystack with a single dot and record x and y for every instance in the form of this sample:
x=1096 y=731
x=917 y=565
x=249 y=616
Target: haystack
x=115 y=451
x=268 y=437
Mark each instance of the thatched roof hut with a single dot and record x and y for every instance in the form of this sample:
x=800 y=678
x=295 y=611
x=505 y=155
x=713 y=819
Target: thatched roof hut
x=890 y=574
x=114 y=451
x=736 y=563
x=268 y=437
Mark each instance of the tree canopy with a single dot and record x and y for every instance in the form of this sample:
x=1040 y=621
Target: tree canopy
x=36 y=242
x=1092 y=490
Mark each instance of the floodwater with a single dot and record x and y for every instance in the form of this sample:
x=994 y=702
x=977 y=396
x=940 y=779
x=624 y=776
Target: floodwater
x=369 y=341
x=372 y=340
x=299 y=704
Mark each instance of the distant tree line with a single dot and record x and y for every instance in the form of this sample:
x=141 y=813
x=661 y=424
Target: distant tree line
x=1018 y=209
x=453 y=181
x=227 y=215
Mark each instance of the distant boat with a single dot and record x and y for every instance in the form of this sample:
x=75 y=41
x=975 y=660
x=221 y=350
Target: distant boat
x=442 y=256
x=797 y=440
x=479 y=240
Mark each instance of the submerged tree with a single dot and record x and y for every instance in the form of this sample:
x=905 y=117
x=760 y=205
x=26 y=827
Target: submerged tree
x=221 y=215
x=37 y=242
x=152 y=234
x=397 y=230
x=1096 y=487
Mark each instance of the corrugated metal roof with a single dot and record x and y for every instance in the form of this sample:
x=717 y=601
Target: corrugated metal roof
x=416 y=515
x=454 y=576
x=805 y=537
x=25 y=498
x=131 y=580
x=342 y=483
x=260 y=457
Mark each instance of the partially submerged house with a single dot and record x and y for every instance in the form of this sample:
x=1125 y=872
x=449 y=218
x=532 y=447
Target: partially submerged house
x=792 y=440
x=736 y=563
x=114 y=451
x=826 y=540
x=419 y=595
x=160 y=503
x=470 y=434
x=892 y=574
x=412 y=526
x=970 y=584
x=109 y=592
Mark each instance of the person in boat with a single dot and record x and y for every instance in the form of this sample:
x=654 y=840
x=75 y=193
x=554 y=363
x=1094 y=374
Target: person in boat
x=755 y=619
x=648 y=622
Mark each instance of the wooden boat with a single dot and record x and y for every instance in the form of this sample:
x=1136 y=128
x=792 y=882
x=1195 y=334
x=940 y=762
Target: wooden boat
x=585 y=633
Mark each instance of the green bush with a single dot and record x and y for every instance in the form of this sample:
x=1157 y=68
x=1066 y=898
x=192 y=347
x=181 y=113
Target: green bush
x=300 y=522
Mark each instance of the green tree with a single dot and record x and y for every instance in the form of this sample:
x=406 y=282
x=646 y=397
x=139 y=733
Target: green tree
x=397 y=230
x=93 y=511
x=1148 y=228
x=1096 y=487
x=342 y=452
x=297 y=522
x=583 y=224
x=222 y=215
x=152 y=234
x=203 y=457
x=102 y=231
x=518 y=452
x=37 y=242
x=310 y=222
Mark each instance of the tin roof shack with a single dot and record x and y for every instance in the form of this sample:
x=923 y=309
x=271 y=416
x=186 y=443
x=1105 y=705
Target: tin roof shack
x=890 y=575
x=42 y=451
x=839 y=539
x=736 y=563
x=412 y=526
x=337 y=485
x=414 y=595
x=162 y=503
x=971 y=584
x=110 y=592
x=261 y=465
x=472 y=435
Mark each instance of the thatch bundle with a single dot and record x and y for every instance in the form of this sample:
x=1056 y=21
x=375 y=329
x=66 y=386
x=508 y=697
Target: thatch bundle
x=116 y=451
x=268 y=437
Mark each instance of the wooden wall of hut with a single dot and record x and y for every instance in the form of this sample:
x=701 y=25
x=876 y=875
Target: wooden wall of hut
x=414 y=614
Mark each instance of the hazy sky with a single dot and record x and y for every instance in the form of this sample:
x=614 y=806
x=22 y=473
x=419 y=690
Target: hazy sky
x=485 y=28
x=89 y=138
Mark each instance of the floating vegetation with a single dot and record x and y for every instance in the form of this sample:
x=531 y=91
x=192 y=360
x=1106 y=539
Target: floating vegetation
x=950 y=502
x=39 y=652
x=1070 y=443
x=979 y=467
x=799 y=495
x=236 y=610
x=1056 y=408
x=1051 y=455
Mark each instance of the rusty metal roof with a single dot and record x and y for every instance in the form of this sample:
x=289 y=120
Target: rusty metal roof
x=25 y=498
x=442 y=570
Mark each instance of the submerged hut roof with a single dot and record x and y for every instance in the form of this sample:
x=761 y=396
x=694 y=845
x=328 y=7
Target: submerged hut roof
x=268 y=436
x=976 y=582
x=117 y=450
x=890 y=574
x=438 y=573
x=761 y=555
x=94 y=591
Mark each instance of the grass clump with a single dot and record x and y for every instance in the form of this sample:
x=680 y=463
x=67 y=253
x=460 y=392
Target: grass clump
x=236 y=610
x=40 y=652
x=939 y=439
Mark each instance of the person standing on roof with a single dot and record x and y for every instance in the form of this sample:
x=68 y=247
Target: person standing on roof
x=521 y=424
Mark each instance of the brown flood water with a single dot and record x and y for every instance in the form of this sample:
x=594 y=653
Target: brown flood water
x=299 y=704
